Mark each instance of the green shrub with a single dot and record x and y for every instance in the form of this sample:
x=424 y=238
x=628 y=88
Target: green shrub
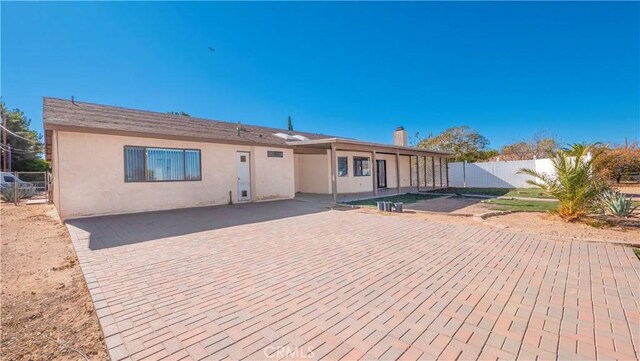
x=574 y=183
x=616 y=203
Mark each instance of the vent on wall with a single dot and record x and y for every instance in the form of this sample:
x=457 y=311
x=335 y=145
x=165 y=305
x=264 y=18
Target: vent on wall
x=275 y=154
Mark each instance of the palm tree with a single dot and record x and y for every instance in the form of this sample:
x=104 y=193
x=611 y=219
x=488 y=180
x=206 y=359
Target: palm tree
x=574 y=184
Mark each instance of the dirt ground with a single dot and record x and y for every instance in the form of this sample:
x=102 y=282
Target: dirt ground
x=450 y=209
x=530 y=222
x=551 y=225
x=47 y=313
x=632 y=189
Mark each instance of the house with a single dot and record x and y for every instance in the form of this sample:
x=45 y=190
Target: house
x=109 y=160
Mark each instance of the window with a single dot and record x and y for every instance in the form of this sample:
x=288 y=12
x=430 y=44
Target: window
x=134 y=164
x=165 y=164
x=361 y=167
x=161 y=164
x=192 y=165
x=343 y=166
x=275 y=154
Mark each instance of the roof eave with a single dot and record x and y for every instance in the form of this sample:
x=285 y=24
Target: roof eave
x=128 y=133
x=329 y=141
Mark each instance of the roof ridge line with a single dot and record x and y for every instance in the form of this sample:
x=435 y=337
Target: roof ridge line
x=181 y=117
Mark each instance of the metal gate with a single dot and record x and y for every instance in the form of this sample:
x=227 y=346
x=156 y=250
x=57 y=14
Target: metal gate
x=25 y=187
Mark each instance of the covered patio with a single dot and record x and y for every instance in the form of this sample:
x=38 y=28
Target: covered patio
x=378 y=170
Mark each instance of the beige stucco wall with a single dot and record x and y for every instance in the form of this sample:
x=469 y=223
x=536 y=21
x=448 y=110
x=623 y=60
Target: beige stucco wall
x=390 y=159
x=349 y=183
x=405 y=171
x=314 y=177
x=275 y=177
x=54 y=169
x=89 y=176
x=313 y=173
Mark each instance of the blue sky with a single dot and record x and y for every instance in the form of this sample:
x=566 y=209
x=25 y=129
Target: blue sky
x=351 y=69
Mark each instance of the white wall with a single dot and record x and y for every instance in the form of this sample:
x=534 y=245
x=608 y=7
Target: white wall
x=89 y=176
x=500 y=174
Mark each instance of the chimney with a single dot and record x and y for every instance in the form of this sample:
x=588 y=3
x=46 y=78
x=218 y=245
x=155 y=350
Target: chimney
x=400 y=137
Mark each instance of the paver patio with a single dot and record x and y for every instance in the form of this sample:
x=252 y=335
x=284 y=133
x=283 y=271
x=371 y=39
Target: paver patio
x=294 y=280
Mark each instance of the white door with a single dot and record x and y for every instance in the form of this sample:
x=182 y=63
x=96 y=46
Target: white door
x=244 y=177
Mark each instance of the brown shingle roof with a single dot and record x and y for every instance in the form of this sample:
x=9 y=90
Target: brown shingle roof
x=80 y=116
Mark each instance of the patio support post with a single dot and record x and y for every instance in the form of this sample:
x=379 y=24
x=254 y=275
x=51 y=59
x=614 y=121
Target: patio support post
x=417 y=172
x=398 y=171
x=424 y=170
x=446 y=163
x=440 y=167
x=433 y=171
x=334 y=165
x=374 y=173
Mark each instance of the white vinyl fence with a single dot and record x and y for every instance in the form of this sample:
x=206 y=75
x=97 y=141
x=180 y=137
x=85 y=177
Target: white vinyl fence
x=500 y=174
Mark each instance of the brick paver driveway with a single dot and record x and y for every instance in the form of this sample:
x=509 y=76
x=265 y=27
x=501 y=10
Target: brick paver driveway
x=293 y=280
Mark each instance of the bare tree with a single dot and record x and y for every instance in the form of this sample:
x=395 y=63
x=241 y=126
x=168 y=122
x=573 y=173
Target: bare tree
x=542 y=145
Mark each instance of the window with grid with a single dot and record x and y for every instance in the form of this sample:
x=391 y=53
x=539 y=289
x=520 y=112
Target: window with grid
x=343 y=166
x=361 y=167
x=147 y=164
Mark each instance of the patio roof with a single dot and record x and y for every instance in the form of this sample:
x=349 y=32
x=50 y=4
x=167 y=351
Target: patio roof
x=321 y=145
